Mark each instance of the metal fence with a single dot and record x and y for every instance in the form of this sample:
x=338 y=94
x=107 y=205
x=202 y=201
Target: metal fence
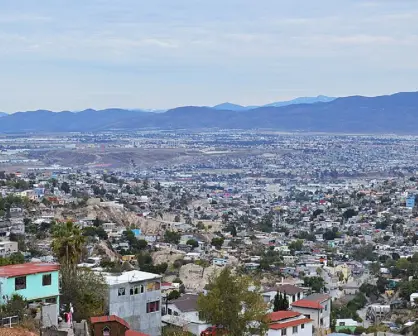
x=9 y=321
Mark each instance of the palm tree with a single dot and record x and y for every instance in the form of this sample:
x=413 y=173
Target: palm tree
x=68 y=244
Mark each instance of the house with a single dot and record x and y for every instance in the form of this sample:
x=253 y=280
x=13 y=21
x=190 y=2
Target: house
x=135 y=296
x=289 y=323
x=219 y=261
x=344 y=324
x=7 y=248
x=183 y=313
x=351 y=288
x=112 y=326
x=293 y=293
x=36 y=282
x=316 y=307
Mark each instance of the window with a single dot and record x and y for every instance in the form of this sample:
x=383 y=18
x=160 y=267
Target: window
x=153 y=306
x=131 y=291
x=46 y=280
x=169 y=311
x=121 y=291
x=342 y=324
x=302 y=326
x=307 y=316
x=326 y=307
x=142 y=289
x=157 y=286
x=322 y=322
x=136 y=290
x=283 y=332
x=298 y=296
x=293 y=298
x=106 y=331
x=295 y=330
x=20 y=283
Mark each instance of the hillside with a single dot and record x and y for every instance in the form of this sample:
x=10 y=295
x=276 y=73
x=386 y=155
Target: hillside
x=396 y=113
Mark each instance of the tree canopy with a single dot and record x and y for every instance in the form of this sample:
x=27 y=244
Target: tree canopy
x=231 y=304
x=280 y=302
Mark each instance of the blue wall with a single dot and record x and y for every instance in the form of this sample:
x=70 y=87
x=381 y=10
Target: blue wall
x=34 y=289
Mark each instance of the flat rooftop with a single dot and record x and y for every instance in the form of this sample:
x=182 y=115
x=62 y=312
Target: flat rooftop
x=129 y=277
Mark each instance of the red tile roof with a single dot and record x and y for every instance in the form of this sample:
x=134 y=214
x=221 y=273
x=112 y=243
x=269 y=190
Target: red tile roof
x=293 y=323
x=111 y=318
x=12 y=271
x=134 y=333
x=307 y=304
x=282 y=315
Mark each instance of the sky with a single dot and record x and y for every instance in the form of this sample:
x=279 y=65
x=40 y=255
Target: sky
x=77 y=54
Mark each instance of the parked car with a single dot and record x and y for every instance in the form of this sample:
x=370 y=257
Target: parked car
x=214 y=331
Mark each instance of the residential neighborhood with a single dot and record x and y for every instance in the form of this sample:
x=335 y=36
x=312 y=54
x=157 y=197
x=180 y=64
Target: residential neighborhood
x=140 y=250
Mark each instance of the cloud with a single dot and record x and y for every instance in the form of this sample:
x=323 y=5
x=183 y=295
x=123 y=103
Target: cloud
x=248 y=46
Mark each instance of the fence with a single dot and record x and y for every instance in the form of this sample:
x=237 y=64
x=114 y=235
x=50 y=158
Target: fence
x=9 y=321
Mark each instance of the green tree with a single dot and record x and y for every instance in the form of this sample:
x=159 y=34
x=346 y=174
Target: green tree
x=296 y=245
x=172 y=237
x=17 y=258
x=280 y=302
x=375 y=268
x=217 y=242
x=15 y=306
x=231 y=304
x=316 y=283
x=65 y=187
x=85 y=290
x=193 y=243
x=68 y=243
x=349 y=213
x=174 y=294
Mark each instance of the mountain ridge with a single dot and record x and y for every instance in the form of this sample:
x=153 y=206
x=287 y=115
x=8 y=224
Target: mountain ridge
x=299 y=100
x=397 y=113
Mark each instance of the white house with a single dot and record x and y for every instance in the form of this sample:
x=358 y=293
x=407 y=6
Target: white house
x=183 y=313
x=316 y=307
x=135 y=296
x=289 y=323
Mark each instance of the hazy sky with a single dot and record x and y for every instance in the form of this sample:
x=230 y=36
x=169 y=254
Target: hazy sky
x=75 y=54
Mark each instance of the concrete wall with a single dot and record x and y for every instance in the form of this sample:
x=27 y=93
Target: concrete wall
x=49 y=314
x=316 y=316
x=133 y=308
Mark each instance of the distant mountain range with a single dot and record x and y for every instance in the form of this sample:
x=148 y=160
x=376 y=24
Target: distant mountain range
x=3 y=114
x=396 y=113
x=301 y=100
